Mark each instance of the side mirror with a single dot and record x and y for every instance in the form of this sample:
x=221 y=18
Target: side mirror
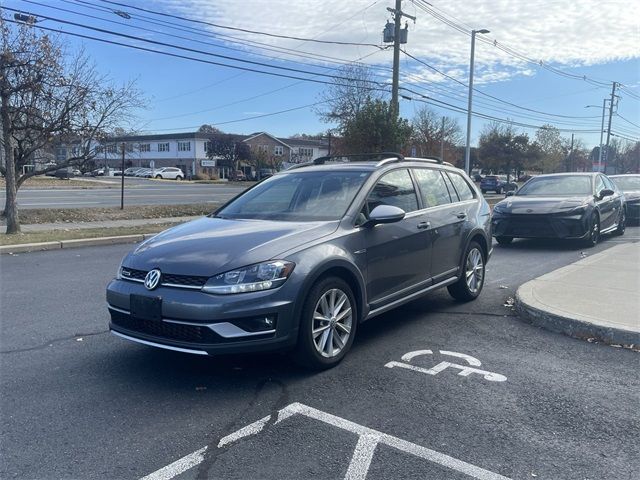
x=385 y=214
x=510 y=193
x=605 y=192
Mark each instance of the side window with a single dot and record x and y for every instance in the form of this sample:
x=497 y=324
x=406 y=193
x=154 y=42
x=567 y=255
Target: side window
x=599 y=184
x=394 y=188
x=452 y=191
x=609 y=184
x=434 y=191
x=462 y=187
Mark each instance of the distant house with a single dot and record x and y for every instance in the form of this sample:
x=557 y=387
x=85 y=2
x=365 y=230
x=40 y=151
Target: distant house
x=190 y=152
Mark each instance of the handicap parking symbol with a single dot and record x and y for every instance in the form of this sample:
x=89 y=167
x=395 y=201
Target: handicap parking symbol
x=463 y=370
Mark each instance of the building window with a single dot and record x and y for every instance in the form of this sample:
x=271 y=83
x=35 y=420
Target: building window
x=263 y=148
x=163 y=147
x=184 y=146
x=111 y=149
x=129 y=147
x=99 y=149
x=278 y=150
x=305 y=152
x=145 y=147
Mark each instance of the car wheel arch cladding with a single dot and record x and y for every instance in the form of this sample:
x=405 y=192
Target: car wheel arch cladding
x=478 y=237
x=337 y=268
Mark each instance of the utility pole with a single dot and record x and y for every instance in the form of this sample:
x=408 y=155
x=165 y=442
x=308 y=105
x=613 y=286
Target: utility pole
x=399 y=36
x=442 y=141
x=122 y=179
x=613 y=96
x=396 y=58
x=570 y=156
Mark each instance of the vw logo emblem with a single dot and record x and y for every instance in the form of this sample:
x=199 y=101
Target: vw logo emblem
x=152 y=279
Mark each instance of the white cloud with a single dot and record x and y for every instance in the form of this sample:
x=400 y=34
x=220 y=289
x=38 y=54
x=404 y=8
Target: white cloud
x=563 y=33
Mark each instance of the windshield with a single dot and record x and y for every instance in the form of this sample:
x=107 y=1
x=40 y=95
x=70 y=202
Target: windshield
x=628 y=184
x=298 y=196
x=564 y=185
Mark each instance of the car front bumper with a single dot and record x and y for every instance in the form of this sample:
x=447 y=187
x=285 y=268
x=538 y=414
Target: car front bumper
x=539 y=226
x=196 y=322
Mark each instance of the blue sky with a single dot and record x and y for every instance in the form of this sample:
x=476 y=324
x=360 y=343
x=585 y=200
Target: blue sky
x=184 y=94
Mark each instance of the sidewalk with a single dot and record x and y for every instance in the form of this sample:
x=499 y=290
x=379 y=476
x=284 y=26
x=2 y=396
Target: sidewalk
x=596 y=297
x=43 y=227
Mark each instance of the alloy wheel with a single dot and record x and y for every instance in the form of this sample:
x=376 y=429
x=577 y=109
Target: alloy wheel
x=332 y=322
x=474 y=270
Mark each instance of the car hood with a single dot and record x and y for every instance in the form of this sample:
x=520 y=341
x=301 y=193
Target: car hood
x=209 y=246
x=540 y=205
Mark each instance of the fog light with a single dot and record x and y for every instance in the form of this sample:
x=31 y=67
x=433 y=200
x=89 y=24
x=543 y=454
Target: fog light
x=256 y=324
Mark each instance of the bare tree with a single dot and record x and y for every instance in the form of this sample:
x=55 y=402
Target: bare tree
x=427 y=134
x=51 y=97
x=346 y=96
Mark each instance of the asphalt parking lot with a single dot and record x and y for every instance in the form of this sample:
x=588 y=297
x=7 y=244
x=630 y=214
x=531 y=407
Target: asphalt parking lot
x=435 y=389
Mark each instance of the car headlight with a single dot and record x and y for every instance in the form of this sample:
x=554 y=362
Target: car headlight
x=254 y=278
x=576 y=213
x=499 y=208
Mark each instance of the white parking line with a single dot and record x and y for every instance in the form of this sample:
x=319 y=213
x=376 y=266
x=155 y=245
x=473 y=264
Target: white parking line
x=363 y=454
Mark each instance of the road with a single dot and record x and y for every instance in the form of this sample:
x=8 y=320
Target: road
x=137 y=192
x=78 y=402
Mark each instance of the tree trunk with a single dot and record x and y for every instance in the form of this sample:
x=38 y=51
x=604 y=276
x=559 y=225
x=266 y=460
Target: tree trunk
x=11 y=204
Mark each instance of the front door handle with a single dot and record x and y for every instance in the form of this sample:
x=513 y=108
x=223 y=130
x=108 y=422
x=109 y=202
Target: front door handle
x=423 y=225
x=461 y=215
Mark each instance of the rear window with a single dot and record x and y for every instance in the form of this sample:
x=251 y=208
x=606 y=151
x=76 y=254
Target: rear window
x=434 y=190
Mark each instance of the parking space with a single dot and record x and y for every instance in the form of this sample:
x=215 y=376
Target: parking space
x=435 y=389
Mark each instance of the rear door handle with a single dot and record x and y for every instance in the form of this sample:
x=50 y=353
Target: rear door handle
x=423 y=225
x=461 y=215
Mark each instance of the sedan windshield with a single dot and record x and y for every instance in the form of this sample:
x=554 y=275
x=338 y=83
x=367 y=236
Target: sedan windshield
x=565 y=185
x=298 y=196
x=628 y=184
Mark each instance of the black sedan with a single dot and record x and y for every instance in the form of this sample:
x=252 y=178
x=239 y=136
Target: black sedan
x=566 y=205
x=630 y=185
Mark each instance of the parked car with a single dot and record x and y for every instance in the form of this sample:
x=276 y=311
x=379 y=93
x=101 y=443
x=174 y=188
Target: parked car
x=145 y=172
x=566 y=205
x=98 y=172
x=65 y=172
x=115 y=173
x=477 y=177
x=265 y=173
x=239 y=176
x=171 y=173
x=497 y=183
x=298 y=261
x=131 y=171
x=630 y=186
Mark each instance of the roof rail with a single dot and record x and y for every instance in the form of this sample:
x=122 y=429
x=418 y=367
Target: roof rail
x=354 y=157
x=300 y=165
x=429 y=159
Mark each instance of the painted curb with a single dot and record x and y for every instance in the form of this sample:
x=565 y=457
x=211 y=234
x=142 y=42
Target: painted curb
x=83 y=242
x=571 y=326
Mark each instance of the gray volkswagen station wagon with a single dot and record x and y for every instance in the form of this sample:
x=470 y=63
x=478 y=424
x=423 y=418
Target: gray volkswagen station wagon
x=299 y=260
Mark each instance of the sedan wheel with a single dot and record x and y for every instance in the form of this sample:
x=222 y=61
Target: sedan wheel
x=328 y=324
x=594 y=232
x=622 y=223
x=470 y=283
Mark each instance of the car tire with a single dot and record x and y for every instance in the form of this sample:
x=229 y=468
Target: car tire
x=594 y=231
x=159 y=176
x=471 y=280
x=504 y=240
x=498 y=191
x=622 y=223
x=178 y=178
x=319 y=352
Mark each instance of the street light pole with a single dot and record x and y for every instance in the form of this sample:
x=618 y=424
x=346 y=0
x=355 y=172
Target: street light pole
x=467 y=153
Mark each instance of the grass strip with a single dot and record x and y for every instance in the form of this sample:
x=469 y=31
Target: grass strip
x=59 y=235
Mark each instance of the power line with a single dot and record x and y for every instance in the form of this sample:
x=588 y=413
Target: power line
x=628 y=121
x=178 y=47
x=244 y=30
x=635 y=140
x=431 y=10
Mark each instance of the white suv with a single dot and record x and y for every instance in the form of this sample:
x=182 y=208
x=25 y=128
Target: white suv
x=171 y=173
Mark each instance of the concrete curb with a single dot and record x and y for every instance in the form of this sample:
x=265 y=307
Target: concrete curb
x=525 y=306
x=82 y=242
